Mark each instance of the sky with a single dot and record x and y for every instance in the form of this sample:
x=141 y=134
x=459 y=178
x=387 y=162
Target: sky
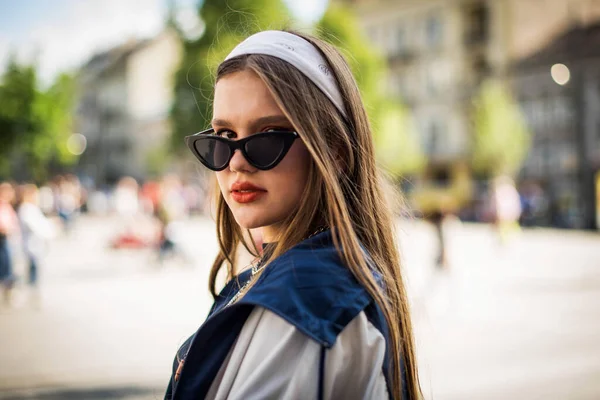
x=60 y=35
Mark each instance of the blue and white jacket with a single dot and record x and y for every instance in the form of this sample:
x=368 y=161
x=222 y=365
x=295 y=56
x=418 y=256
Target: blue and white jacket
x=307 y=329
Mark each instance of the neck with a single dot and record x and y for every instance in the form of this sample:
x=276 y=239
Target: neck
x=270 y=234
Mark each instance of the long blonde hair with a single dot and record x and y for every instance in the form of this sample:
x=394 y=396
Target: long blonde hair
x=344 y=191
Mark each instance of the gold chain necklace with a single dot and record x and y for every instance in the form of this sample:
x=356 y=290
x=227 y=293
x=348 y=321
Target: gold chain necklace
x=257 y=267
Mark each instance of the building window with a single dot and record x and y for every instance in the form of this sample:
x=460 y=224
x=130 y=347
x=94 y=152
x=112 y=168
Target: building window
x=562 y=111
x=400 y=40
x=434 y=137
x=480 y=65
x=430 y=80
x=477 y=23
x=527 y=109
x=433 y=30
x=537 y=113
x=534 y=162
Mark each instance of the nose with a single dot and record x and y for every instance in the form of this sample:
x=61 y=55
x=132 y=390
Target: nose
x=239 y=163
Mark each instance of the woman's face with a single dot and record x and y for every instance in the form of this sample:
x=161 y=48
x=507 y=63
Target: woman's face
x=244 y=106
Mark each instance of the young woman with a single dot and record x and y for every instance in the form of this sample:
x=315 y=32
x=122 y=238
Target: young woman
x=323 y=313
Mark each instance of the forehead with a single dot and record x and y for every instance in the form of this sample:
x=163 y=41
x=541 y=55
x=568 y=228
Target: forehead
x=242 y=95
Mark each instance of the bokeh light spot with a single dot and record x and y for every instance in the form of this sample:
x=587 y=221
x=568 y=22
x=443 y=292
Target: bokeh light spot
x=76 y=144
x=560 y=73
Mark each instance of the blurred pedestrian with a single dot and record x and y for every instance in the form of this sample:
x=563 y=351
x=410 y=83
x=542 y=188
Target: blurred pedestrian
x=192 y=195
x=46 y=200
x=507 y=207
x=438 y=219
x=150 y=196
x=8 y=228
x=171 y=210
x=36 y=229
x=534 y=204
x=68 y=200
x=126 y=203
x=322 y=313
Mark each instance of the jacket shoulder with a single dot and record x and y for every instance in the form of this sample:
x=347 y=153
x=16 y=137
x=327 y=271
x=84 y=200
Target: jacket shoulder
x=311 y=288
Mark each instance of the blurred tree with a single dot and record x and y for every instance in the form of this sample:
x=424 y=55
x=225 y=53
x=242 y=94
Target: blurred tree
x=34 y=124
x=501 y=139
x=226 y=23
x=17 y=116
x=55 y=108
x=396 y=142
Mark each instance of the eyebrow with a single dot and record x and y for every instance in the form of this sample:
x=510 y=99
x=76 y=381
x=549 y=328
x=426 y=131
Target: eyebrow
x=259 y=121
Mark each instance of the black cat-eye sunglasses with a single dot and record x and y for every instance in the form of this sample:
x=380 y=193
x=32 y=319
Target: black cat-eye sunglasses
x=262 y=150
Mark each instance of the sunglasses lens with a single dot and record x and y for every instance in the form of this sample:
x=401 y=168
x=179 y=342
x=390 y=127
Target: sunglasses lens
x=214 y=152
x=265 y=150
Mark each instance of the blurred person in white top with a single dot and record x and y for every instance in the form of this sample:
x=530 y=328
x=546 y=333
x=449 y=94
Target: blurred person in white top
x=507 y=207
x=36 y=229
x=125 y=197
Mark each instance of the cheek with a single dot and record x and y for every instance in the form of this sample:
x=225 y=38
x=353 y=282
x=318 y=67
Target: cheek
x=293 y=172
x=297 y=160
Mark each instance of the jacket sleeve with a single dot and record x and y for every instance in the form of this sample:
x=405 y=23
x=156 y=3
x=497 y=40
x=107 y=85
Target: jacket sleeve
x=273 y=360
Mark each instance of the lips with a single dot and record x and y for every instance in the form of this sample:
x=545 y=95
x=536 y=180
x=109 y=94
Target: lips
x=245 y=192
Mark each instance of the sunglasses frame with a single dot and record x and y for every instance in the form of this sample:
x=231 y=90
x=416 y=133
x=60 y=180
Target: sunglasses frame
x=288 y=139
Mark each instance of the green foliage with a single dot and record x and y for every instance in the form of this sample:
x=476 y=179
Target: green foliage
x=226 y=24
x=396 y=143
x=17 y=116
x=501 y=139
x=34 y=124
x=55 y=109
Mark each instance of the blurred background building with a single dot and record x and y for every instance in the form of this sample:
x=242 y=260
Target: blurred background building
x=123 y=107
x=559 y=91
x=440 y=52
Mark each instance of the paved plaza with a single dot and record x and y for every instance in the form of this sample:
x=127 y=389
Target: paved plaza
x=506 y=321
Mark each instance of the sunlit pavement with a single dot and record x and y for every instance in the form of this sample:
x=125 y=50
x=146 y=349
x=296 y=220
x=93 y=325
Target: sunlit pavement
x=516 y=321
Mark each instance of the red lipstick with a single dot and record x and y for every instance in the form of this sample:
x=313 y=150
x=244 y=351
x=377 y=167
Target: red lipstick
x=245 y=192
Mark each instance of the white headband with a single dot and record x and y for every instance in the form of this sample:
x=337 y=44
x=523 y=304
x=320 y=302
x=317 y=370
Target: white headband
x=298 y=52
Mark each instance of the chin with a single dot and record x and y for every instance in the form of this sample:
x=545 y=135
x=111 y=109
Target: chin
x=251 y=221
